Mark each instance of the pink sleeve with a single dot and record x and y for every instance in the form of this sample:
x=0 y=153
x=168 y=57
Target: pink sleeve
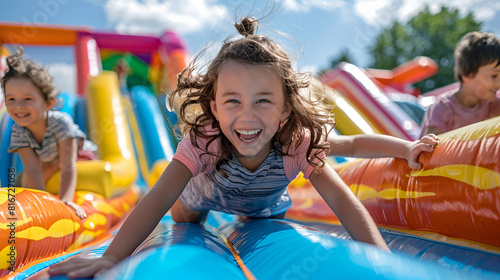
x=437 y=116
x=193 y=157
x=495 y=108
x=297 y=160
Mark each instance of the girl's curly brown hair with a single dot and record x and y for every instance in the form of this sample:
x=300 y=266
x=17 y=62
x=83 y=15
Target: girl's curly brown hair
x=38 y=75
x=311 y=112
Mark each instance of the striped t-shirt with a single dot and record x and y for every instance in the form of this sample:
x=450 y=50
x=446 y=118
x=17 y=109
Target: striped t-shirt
x=60 y=126
x=261 y=193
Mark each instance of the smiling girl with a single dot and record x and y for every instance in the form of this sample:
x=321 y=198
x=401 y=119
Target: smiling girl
x=257 y=123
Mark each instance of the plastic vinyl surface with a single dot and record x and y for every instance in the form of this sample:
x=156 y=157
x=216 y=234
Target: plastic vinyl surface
x=276 y=249
x=406 y=74
x=272 y=249
x=454 y=257
x=349 y=120
x=187 y=251
x=384 y=114
x=35 y=225
x=456 y=194
x=161 y=140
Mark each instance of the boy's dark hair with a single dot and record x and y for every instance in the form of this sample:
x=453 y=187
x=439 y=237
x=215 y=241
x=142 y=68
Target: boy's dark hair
x=474 y=50
x=38 y=75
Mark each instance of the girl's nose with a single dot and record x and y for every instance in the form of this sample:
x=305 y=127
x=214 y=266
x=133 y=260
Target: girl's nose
x=247 y=113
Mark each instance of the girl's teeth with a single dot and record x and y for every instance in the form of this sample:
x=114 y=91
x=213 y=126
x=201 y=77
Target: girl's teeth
x=247 y=140
x=247 y=132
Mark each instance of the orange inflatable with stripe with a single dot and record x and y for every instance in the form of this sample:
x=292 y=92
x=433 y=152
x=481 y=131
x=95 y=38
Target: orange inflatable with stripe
x=454 y=198
x=39 y=226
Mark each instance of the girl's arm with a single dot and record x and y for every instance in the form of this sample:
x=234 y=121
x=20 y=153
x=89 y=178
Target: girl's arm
x=32 y=177
x=139 y=224
x=376 y=145
x=67 y=167
x=346 y=206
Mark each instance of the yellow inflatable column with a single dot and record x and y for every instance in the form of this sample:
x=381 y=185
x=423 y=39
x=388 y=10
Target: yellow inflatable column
x=108 y=129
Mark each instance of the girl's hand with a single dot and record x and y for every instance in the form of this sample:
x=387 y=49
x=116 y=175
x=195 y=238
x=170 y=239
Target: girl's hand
x=426 y=144
x=82 y=268
x=78 y=209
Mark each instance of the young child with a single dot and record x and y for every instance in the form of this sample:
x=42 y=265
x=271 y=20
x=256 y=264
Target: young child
x=251 y=125
x=45 y=140
x=477 y=68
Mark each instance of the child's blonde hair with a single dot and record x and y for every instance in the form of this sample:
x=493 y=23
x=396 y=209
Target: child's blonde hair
x=311 y=112
x=38 y=75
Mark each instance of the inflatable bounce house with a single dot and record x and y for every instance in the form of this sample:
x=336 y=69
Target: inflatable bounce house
x=440 y=222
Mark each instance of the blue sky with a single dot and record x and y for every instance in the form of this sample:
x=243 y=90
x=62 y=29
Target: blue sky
x=319 y=29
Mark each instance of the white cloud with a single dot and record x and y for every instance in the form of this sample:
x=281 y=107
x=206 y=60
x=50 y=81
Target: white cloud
x=64 y=76
x=307 y=5
x=384 y=12
x=156 y=16
x=309 y=68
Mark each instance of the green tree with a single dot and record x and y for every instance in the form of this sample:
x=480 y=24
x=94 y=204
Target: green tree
x=426 y=34
x=343 y=56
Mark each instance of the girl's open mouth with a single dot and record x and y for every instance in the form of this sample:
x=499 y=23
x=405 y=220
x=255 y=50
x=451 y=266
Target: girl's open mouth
x=248 y=136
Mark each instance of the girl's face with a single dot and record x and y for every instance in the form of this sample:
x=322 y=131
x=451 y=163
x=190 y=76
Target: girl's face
x=486 y=82
x=25 y=103
x=249 y=105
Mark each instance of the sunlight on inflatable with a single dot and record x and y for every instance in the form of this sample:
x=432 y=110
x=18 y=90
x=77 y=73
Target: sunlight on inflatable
x=60 y=228
x=5 y=257
x=94 y=220
x=354 y=115
x=364 y=192
x=86 y=237
x=477 y=176
x=105 y=208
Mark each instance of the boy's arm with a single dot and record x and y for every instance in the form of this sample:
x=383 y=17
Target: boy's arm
x=346 y=206
x=32 y=172
x=377 y=145
x=138 y=225
x=67 y=167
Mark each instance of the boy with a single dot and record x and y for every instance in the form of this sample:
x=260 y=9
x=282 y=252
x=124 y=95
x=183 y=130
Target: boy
x=477 y=68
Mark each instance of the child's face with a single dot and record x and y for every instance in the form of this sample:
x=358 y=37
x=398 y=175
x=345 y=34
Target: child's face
x=249 y=105
x=25 y=102
x=486 y=82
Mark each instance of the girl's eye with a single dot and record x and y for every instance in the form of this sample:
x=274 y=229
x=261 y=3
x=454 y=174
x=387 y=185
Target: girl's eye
x=264 y=101
x=232 y=101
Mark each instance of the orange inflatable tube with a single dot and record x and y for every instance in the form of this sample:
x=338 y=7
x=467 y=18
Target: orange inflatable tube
x=28 y=34
x=454 y=197
x=411 y=72
x=36 y=225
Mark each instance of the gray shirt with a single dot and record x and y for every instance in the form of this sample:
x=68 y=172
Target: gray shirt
x=60 y=126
